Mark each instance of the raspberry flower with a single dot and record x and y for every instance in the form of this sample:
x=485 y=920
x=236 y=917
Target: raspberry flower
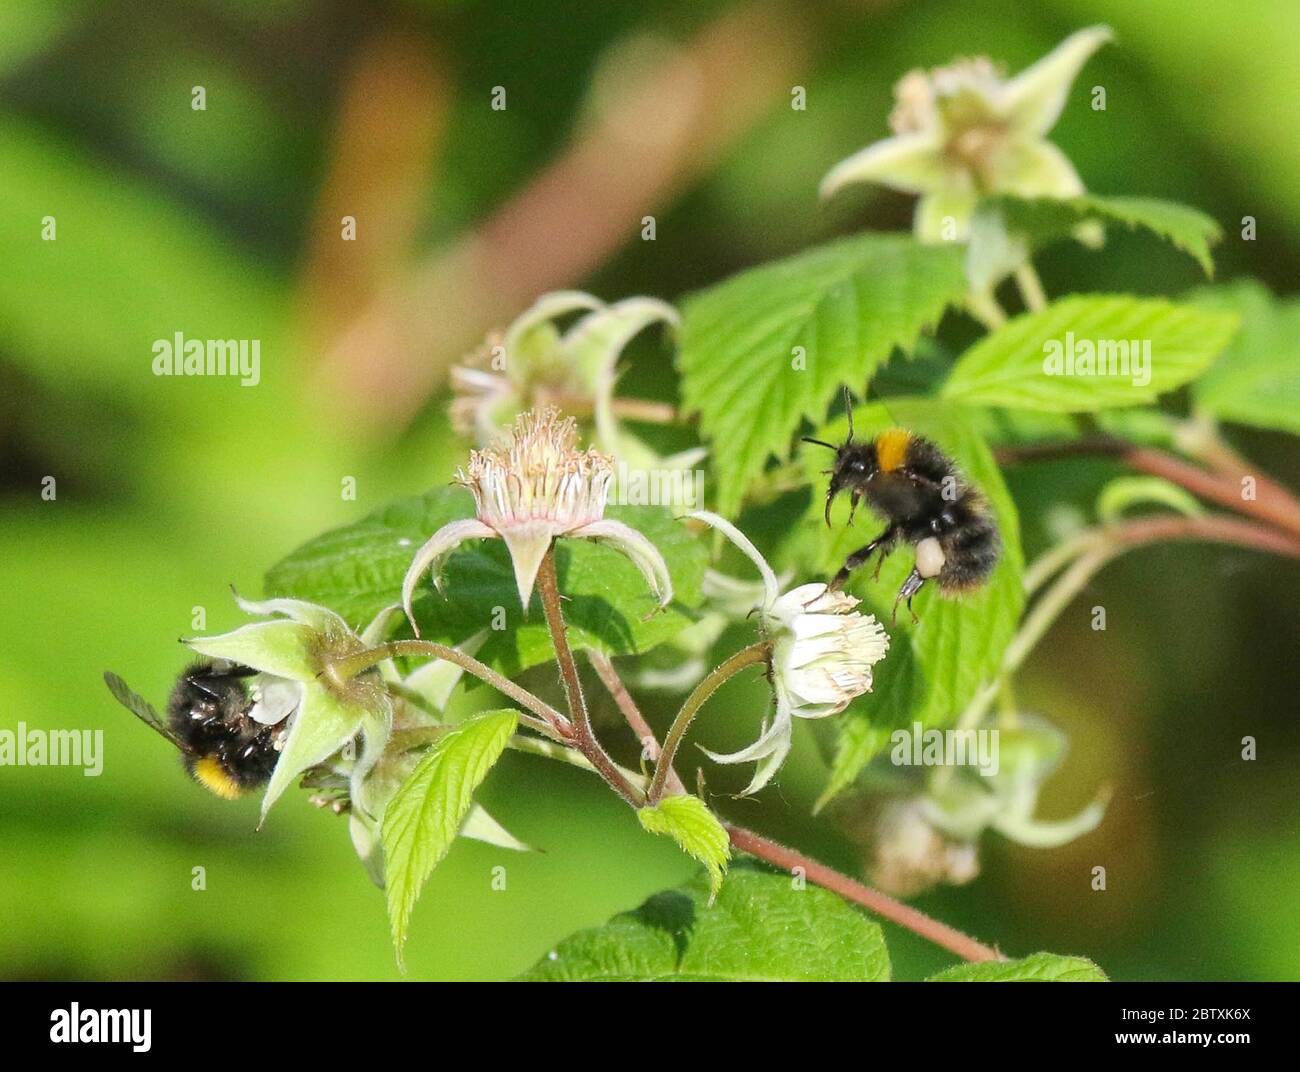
x=963 y=132
x=321 y=712
x=532 y=363
x=531 y=488
x=822 y=655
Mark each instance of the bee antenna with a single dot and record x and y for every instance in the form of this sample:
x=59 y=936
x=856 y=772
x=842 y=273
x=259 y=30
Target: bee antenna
x=819 y=442
x=848 y=408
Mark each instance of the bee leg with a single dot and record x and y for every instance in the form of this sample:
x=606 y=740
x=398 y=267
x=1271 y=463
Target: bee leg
x=854 y=499
x=910 y=587
x=881 y=543
x=880 y=561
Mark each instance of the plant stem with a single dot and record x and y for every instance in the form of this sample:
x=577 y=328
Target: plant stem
x=1094 y=548
x=774 y=853
x=618 y=691
x=552 y=722
x=1274 y=503
x=1031 y=287
x=548 y=587
x=582 y=736
x=880 y=903
x=642 y=410
x=986 y=310
x=755 y=653
x=565 y=754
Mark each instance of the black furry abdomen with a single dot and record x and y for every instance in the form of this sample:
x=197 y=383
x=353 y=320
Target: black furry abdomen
x=970 y=553
x=208 y=712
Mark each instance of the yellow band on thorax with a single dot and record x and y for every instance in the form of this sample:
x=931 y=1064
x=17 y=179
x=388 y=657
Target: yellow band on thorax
x=891 y=448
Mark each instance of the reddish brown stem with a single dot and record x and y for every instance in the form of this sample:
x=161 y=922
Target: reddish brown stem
x=1274 y=503
x=615 y=687
x=781 y=856
x=582 y=736
x=882 y=904
x=1220 y=529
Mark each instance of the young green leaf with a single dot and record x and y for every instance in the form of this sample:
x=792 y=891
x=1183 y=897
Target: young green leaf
x=422 y=819
x=769 y=347
x=761 y=928
x=1090 y=352
x=358 y=570
x=1256 y=380
x=1044 y=220
x=934 y=668
x=1039 y=968
x=688 y=821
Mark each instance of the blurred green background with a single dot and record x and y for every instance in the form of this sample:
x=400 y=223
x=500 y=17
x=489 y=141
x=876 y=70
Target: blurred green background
x=224 y=223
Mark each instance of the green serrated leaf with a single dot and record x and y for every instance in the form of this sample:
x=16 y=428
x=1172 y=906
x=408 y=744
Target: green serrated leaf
x=687 y=820
x=760 y=929
x=933 y=669
x=422 y=819
x=846 y=304
x=358 y=571
x=1256 y=379
x=1012 y=365
x=1043 y=220
x=1039 y=968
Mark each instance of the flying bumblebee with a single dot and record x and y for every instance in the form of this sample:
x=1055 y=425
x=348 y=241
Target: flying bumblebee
x=223 y=748
x=911 y=483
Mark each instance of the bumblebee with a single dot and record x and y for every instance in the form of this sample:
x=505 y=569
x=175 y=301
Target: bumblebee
x=223 y=748
x=911 y=483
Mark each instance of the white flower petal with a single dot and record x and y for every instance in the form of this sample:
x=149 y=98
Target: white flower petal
x=769 y=751
x=434 y=552
x=743 y=542
x=1033 y=100
x=912 y=163
x=1045 y=834
x=275 y=699
x=761 y=747
x=644 y=554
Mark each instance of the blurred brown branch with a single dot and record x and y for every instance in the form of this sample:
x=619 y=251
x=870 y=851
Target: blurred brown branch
x=658 y=132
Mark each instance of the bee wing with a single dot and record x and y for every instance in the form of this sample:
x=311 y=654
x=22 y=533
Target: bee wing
x=140 y=707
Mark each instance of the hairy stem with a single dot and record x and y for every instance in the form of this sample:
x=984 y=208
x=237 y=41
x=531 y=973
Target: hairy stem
x=551 y=722
x=828 y=878
x=582 y=736
x=618 y=691
x=565 y=754
x=755 y=653
x=880 y=903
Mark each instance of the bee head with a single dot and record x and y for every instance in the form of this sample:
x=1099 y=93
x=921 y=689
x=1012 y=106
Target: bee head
x=855 y=466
